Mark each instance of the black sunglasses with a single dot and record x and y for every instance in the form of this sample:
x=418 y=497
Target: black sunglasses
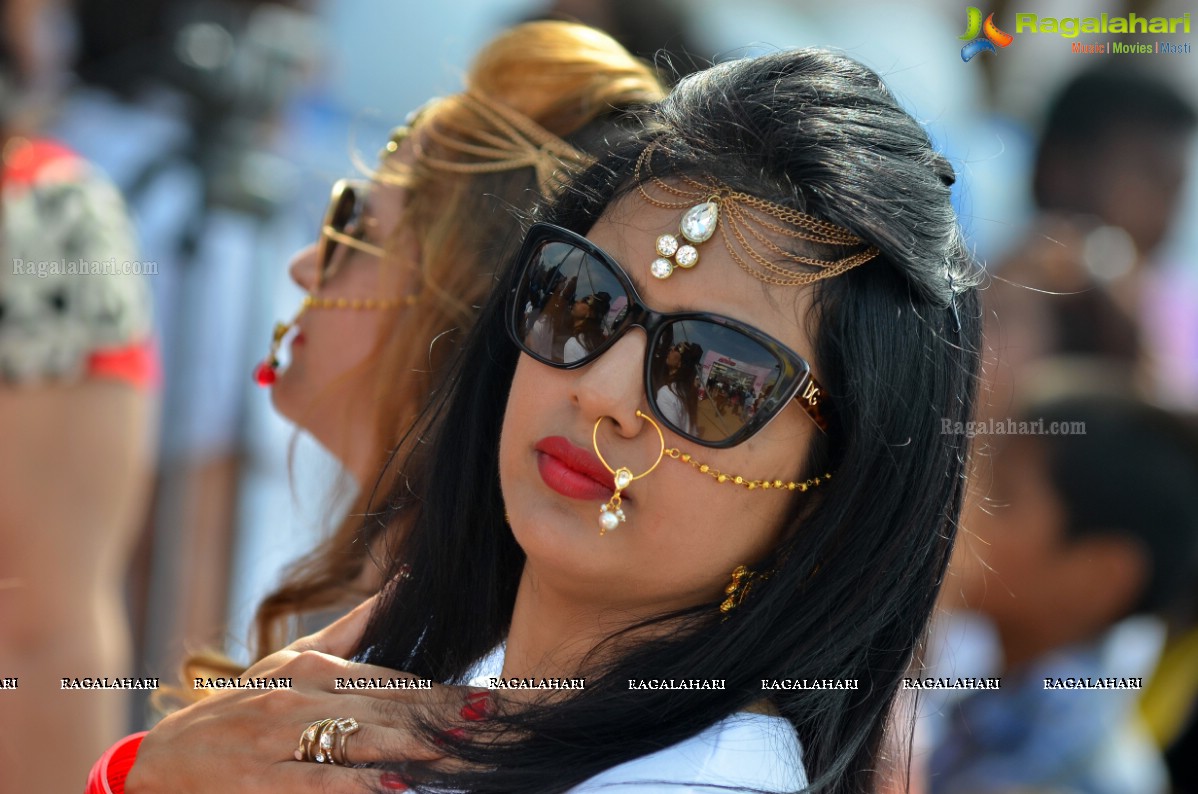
x=344 y=223
x=710 y=379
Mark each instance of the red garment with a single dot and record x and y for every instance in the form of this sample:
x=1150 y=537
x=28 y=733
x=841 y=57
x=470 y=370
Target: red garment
x=69 y=308
x=23 y=165
x=136 y=364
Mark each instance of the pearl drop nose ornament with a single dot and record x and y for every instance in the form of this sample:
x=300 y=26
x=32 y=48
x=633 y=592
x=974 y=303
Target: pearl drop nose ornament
x=611 y=515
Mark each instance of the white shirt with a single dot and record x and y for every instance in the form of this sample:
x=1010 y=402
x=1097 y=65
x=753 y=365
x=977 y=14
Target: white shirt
x=749 y=750
x=573 y=350
x=754 y=751
x=669 y=402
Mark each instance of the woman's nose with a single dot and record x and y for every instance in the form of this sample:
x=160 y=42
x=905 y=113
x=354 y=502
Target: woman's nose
x=613 y=384
x=304 y=269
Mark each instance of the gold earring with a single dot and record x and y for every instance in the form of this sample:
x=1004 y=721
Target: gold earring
x=738 y=590
x=610 y=513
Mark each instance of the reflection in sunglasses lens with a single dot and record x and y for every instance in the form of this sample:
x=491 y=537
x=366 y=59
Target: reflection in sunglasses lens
x=709 y=380
x=571 y=303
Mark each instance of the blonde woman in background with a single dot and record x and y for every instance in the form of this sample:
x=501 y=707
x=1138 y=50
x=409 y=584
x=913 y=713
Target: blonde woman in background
x=401 y=265
x=404 y=260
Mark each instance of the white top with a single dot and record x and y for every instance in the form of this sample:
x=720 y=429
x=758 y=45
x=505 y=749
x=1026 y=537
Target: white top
x=573 y=350
x=754 y=751
x=669 y=402
x=749 y=750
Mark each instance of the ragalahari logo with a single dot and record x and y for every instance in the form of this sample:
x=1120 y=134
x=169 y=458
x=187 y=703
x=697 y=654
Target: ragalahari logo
x=991 y=35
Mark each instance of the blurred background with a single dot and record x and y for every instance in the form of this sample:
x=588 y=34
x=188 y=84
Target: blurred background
x=223 y=124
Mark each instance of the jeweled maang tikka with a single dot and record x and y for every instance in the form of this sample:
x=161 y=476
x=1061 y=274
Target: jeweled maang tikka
x=748 y=222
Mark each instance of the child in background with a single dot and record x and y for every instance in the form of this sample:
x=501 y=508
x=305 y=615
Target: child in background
x=1084 y=529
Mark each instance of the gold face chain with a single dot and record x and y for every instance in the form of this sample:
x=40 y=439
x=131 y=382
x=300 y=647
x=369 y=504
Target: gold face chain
x=358 y=304
x=736 y=479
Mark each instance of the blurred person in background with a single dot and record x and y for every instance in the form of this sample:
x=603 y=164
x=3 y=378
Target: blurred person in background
x=654 y=30
x=405 y=260
x=1083 y=530
x=1170 y=701
x=1108 y=180
x=185 y=105
x=78 y=399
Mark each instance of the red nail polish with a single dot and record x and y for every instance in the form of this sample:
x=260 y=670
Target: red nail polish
x=478 y=706
x=393 y=781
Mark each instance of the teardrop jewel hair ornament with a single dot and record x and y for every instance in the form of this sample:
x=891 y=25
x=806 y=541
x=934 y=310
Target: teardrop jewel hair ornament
x=697 y=226
x=761 y=237
x=611 y=515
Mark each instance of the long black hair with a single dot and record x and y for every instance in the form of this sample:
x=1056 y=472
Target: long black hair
x=854 y=581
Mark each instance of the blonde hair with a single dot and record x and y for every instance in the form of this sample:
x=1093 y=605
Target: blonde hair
x=562 y=77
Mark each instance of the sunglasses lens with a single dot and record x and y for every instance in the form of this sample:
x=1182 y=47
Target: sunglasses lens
x=568 y=303
x=710 y=380
x=342 y=215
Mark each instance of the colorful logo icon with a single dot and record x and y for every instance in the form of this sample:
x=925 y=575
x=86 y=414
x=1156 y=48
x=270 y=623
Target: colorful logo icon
x=992 y=35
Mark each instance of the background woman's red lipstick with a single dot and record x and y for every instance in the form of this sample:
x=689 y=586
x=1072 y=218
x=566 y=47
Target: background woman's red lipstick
x=572 y=471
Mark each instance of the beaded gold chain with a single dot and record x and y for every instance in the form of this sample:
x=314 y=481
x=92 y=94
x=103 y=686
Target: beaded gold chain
x=747 y=216
x=381 y=304
x=736 y=479
x=498 y=138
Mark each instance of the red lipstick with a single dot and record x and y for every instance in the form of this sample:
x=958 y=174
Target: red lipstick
x=572 y=471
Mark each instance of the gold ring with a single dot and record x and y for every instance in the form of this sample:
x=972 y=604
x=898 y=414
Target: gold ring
x=345 y=727
x=323 y=740
x=311 y=734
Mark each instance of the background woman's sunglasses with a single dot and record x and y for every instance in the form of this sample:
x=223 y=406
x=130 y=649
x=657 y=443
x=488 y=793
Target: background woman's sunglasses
x=717 y=390
x=344 y=223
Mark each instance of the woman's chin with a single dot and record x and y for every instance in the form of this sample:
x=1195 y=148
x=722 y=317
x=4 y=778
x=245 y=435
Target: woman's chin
x=567 y=543
x=285 y=395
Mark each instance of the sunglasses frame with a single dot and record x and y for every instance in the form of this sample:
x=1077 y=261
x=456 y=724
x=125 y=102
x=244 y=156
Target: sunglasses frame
x=806 y=390
x=330 y=235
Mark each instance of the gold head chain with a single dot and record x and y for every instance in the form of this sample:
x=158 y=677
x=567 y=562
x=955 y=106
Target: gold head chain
x=503 y=139
x=746 y=218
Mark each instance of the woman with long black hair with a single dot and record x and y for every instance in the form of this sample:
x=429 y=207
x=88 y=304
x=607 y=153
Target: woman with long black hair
x=742 y=601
